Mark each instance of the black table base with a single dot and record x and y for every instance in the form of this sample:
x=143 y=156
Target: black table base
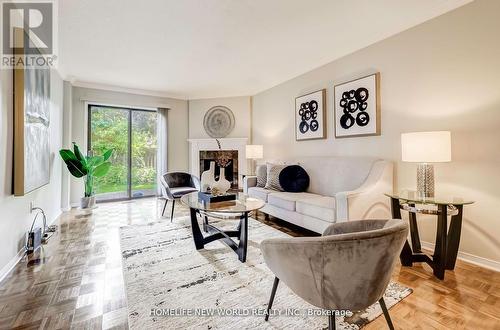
x=447 y=240
x=215 y=234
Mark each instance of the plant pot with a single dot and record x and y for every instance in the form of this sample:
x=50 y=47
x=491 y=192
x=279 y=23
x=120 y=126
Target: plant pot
x=87 y=202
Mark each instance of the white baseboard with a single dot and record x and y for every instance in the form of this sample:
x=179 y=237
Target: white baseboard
x=13 y=262
x=467 y=257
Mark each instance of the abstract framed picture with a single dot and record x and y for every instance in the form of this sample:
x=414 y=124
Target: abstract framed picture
x=31 y=129
x=357 y=107
x=310 y=116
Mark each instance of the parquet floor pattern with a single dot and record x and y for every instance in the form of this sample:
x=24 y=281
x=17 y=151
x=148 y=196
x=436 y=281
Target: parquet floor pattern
x=76 y=280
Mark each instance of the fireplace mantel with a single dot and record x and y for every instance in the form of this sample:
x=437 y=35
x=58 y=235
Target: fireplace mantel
x=197 y=145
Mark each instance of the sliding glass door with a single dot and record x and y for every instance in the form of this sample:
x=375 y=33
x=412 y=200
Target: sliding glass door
x=132 y=134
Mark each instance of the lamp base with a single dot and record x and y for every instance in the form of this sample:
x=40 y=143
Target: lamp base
x=425 y=180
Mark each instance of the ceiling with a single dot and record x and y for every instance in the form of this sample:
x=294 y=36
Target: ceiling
x=214 y=48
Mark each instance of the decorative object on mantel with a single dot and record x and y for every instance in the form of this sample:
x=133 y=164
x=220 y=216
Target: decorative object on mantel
x=208 y=178
x=357 y=107
x=426 y=148
x=218 y=121
x=310 y=116
x=254 y=151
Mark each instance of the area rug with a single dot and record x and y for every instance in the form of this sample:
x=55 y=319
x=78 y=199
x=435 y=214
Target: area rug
x=171 y=285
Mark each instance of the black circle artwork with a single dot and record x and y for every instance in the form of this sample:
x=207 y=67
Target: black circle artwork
x=354 y=101
x=308 y=113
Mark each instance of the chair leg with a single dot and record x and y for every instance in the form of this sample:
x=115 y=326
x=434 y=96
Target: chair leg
x=273 y=293
x=386 y=313
x=331 y=322
x=172 y=214
x=164 y=207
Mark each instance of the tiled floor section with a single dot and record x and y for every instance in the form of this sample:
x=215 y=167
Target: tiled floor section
x=76 y=281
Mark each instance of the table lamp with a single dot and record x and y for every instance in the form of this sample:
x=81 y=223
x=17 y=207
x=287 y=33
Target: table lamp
x=254 y=151
x=426 y=148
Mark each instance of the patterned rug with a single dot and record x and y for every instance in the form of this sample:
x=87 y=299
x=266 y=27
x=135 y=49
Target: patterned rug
x=171 y=285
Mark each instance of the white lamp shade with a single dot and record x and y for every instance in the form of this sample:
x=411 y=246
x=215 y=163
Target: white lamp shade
x=254 y=151
x=426 y=147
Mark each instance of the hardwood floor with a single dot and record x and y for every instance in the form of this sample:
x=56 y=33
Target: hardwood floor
x=76 y=281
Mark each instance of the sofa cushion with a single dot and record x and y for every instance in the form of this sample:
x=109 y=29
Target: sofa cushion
x=286 y=200
x=294 y=178
x=259 y=193
x=321 y=207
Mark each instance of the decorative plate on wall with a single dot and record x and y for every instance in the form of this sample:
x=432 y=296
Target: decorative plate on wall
x=218 y=121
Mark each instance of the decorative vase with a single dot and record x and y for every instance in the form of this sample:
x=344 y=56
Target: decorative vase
x=208 y=177
x=222 y=184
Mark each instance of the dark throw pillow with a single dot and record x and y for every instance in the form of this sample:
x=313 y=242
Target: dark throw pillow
x=294 y=178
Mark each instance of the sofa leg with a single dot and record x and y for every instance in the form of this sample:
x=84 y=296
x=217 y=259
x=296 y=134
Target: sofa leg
x=273 y=293
x=386 y=313
x=164 y=207
x=266 y=216
x=331 y=322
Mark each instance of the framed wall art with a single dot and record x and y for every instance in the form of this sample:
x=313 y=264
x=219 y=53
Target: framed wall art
x=310 y=116
x=31 y=129
x=357 y=107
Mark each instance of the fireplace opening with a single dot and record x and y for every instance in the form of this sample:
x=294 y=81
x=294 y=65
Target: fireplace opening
x=225 y=158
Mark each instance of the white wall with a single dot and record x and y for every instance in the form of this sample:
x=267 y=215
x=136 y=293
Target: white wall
x=177 y=124
x=15 y=217
x=441 y=75
x=240 y=106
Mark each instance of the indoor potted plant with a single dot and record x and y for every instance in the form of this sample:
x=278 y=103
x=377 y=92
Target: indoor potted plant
x=87 y=167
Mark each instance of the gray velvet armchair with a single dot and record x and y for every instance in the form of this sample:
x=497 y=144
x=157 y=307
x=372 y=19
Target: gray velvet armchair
x=175 y=185
x=348 y=268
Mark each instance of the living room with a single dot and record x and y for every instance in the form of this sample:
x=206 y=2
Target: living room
x=251 y=164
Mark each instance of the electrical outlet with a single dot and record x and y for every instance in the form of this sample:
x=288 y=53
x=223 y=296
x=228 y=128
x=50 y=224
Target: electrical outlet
x=32 y=206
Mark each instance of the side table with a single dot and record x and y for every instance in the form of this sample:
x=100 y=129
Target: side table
x=447 y=240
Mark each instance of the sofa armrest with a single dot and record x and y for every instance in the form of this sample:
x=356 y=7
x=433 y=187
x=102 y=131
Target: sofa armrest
x=368 y=201
x=248 y=182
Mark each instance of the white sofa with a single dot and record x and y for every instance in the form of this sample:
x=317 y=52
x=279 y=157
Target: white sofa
x=340 y=189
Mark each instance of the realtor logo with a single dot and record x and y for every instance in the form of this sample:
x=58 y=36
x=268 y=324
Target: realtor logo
x=28 y=34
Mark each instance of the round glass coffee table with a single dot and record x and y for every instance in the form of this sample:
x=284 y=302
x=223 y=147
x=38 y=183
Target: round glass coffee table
x=235 y=209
